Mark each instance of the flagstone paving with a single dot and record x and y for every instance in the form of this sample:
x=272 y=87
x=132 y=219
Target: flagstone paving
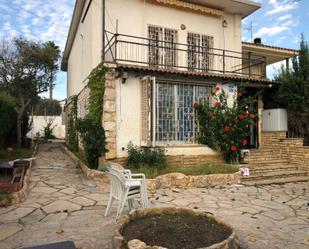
x=63 y=205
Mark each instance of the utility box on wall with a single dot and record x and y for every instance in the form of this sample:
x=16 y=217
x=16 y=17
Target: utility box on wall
x=275 y=120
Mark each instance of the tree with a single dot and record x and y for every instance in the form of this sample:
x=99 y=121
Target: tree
x=7 y=117
x=52 y=55
x=47 y=107
x=293 y=90
x=24 y=74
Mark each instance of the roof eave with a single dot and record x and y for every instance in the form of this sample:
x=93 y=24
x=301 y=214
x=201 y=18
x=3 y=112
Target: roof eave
x=77 y=14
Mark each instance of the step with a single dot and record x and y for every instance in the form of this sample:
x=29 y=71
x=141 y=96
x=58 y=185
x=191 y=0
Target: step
x=254 y=159
x=272 y=168
x=267 y=162
x=276 y=181
x=274 y=174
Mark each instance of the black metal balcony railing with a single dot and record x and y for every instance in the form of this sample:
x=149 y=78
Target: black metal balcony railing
x=144 y=51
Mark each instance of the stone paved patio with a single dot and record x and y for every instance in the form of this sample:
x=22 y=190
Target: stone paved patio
x=63 y=205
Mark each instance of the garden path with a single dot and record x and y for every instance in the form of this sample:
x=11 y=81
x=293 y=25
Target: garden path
x=63 y=205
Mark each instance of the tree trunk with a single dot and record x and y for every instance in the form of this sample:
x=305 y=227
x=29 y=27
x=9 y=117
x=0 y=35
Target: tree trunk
x=306 y=135
x=51 y=87
x=18 y=131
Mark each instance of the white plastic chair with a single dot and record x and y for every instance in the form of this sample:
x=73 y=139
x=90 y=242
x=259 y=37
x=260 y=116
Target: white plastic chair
x=125 y=186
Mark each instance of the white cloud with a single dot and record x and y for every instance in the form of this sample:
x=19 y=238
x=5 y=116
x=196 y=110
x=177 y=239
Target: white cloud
x=283 y=7
x=270 y=31
x=40 y=20
x=276 y=29
x=285 y=17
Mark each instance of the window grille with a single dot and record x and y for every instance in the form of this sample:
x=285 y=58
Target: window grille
x=162 y=46
x=200 y=54
x=176 y=120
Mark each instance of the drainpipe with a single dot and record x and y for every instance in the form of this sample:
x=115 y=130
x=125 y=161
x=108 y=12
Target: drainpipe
x=103 y=30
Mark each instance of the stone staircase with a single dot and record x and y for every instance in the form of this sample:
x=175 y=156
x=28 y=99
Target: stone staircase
x=269 y=166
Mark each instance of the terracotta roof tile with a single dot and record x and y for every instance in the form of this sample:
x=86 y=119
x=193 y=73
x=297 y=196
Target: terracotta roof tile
x=269 y=46
x=198 y=74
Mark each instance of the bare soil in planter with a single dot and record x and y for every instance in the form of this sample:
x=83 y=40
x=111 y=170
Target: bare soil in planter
x=177 y=231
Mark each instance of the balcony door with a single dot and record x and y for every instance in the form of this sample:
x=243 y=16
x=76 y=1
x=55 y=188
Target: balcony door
x=200 y=52
x=162 y=46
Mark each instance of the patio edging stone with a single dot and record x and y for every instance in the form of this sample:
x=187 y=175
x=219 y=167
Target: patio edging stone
x=171 y=180
x=21 y=195
x=118 y=240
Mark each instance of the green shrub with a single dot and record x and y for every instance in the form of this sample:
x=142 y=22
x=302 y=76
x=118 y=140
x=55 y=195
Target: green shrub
x=72 y=138
x=93 y=139
x=139 y=156
x=49 y=107
x=5 y=198
x=48 y=130
x=8 y=117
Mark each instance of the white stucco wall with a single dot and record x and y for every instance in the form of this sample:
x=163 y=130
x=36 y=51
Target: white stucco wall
x=40 y=122
x=128 y=107
x=86 y=50
x=134 y=18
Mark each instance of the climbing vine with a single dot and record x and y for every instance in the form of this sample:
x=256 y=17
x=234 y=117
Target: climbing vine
x=72 y=120
x=90 y=128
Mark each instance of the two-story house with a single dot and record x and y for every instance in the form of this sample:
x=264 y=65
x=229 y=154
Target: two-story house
x=164 y=55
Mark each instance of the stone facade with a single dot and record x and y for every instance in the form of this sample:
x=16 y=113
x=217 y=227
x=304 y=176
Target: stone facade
x=291 y=149
x=109 y=119
x=109 y=111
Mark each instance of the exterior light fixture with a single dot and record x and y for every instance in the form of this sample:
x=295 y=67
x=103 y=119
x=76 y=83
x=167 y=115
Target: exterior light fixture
x=183 y=27
x=224 y=24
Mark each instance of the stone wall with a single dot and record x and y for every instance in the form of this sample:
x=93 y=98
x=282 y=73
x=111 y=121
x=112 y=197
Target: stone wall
x=109 y=114
x=179 y=160
x=109 y=111
x=291 y=149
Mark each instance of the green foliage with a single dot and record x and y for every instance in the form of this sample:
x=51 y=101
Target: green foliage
x=47 y=107
x=15 y=154
x=203 y=169
x=140 y=156
x=48 y=130
x=96 y=85
x=5 y=198
x=90 y=128
x=293 y=91
x=52 y=54
x=71 y=129
x=7 y=117
x=223 y=128
x=24 y=73
x=93 y=139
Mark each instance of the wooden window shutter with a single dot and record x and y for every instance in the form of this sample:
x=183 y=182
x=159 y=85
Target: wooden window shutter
x=146 y=99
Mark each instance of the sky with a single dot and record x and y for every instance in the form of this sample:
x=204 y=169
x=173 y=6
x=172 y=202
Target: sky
x=278 y=23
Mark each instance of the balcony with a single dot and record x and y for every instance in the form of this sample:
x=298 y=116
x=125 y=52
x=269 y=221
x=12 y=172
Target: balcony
x=155 y=53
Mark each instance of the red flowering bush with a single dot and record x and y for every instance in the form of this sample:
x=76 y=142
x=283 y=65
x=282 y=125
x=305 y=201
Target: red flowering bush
x=226 y=128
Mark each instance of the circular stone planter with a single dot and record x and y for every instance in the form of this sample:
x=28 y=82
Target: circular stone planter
x=185 y=221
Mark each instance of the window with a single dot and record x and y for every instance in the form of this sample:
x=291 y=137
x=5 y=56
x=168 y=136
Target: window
x=200 y=54
x=175 y=116
x=162 y=46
